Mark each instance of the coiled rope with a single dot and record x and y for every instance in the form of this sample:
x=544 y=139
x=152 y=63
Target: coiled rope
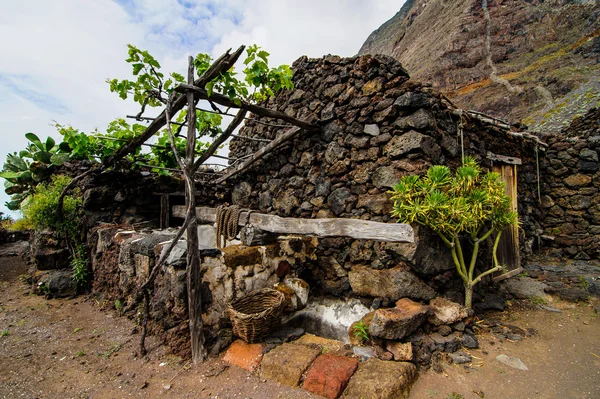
x=228 y=218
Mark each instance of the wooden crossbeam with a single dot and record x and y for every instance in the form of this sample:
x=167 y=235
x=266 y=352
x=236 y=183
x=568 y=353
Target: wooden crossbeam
x=221 y=99
x=327 y=227
x=286 y=136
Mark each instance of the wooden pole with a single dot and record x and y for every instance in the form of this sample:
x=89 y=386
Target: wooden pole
x=220 y=99
x=194 y=282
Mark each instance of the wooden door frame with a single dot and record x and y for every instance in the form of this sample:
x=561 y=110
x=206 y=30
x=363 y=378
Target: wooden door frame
x=506 y=166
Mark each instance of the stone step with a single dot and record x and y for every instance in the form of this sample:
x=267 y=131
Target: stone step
x=246 y=356
x=286 y=363
x=325 y=374
x=379 y=379
x=329 y=375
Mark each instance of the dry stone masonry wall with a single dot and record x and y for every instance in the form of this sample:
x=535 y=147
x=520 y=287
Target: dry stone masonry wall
x=571 y=198
x=377 y=127
x=122 y=259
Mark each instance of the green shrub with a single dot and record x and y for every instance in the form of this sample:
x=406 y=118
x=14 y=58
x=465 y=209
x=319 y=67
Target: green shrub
x=469 y=206
x=40 y=211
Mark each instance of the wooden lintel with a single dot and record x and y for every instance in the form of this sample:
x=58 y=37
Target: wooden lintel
x=329 y=227
x=503 y=158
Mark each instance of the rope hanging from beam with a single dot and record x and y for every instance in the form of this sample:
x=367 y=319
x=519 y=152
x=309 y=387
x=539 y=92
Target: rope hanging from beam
x=228 y=218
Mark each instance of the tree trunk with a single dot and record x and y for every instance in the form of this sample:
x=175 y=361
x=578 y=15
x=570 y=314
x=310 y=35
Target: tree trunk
x=468 y=295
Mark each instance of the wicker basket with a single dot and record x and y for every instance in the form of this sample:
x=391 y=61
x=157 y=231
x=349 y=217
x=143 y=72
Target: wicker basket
x=256 y=314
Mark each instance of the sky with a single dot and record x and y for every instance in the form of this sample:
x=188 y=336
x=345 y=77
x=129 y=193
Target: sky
x=56 y=55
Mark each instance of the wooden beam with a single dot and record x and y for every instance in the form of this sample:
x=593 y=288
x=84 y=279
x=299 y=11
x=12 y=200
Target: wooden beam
x=165 y=211
x=330 y=227
x=239 y=118
x=260 y=154
x=202 y=94
x=503 y=159
x=490 y=120
x=223 y=63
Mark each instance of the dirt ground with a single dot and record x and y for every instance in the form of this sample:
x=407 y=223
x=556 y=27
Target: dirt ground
x=73 y=348
x=563 y=359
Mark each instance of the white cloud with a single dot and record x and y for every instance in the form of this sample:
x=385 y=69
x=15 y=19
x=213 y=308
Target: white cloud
x=289 y=29
x=57 y=54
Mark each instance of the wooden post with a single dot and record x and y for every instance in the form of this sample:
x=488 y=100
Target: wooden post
x=165 y=211
x=194 y=282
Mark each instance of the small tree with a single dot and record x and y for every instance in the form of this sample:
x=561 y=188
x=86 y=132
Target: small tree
x=469 y=204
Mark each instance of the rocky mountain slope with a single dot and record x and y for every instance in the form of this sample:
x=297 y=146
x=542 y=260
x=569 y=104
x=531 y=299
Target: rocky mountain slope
x=534 y=61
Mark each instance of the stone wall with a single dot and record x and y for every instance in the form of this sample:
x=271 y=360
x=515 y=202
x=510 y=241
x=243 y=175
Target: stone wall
x=122 y=196
x=377 y=127
x=113 y=199
x=122 y=259
x=7 y=236
x=571 y=183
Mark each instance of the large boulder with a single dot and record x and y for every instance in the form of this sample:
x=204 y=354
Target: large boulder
x=428 y=255
x=395 y=283
x=55 y=283
x=525 y=288
x=396 y=323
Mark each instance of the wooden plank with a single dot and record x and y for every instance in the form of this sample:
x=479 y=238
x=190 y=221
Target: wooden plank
x=508 y=248
x=504 y=159
x=286 y=136
x=330 y=227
